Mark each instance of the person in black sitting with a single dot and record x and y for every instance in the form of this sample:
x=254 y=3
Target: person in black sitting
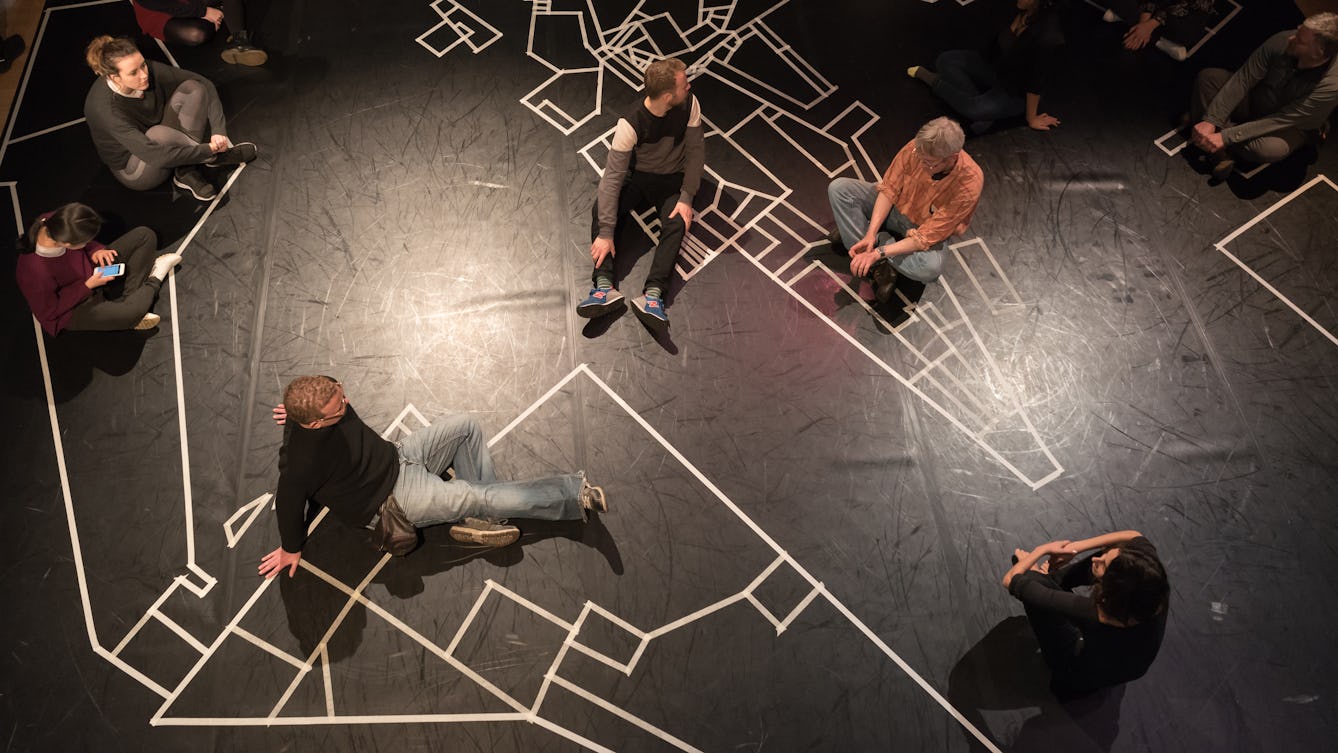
x=1011 y=81
x=1108 y=636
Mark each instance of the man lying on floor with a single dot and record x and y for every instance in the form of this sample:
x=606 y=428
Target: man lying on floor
x=329 y=456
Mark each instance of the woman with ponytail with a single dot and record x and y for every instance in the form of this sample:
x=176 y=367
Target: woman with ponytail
x=1107 y=636
x=60 y=273
x=150 y=121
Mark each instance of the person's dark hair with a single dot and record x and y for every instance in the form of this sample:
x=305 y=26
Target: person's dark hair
x=71 y=224
x=305 y=396
x=104 y=51
x=1134 y=586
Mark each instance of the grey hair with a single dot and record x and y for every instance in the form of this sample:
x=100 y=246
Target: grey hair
x=939 y=138
x=1325 y=26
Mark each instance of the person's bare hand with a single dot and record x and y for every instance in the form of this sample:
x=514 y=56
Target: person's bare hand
x=1206 y=137
x=1043 y=121
x=214 y=16
x=1138 y=35
x=863 y=245
x=860 y=264
x=280 y=414
x=103 y=257
x=601 y=249
x=96 y=281
x=684 y=211
x=219 y=143
x=274 y=563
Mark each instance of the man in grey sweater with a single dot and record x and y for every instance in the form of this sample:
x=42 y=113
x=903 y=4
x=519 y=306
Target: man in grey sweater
x=656 y=159
x=1266 y=110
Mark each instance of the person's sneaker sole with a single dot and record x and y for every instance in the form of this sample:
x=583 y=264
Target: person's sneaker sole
x=252 y=57
x=655 y=323
x=208 y=196
x=149 y=321
x=503 y=536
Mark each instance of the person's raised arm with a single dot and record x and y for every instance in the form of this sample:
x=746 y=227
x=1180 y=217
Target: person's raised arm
x=1028 y=560
x=1104 y=540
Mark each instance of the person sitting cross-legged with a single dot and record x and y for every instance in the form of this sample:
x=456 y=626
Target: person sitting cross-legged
x=899 y=226
x=151 y=121
x=1280 y=99
x=333 y=459
x=61 y=267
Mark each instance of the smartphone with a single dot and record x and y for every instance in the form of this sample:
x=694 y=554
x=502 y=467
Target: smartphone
x=111 y=270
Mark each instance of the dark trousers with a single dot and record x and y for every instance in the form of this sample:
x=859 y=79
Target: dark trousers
x=640 y=191
x=193 y=32
x=1186 y=30
x=121 y=303
x=970 y=85
x=1272 y=147
x=1060 y=640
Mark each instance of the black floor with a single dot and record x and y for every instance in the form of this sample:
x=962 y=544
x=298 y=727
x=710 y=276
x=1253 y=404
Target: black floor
x=810 y=511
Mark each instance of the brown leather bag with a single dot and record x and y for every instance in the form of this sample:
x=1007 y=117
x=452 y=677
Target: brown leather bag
x=394 y=533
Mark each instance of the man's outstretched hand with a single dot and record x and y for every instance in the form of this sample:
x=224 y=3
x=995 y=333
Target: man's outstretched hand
x=274 y=563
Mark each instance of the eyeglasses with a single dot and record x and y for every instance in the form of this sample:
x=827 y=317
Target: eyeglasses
x=935 y=164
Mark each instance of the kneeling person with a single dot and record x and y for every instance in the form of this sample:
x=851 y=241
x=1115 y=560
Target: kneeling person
x=332 y=458
x=899 y=225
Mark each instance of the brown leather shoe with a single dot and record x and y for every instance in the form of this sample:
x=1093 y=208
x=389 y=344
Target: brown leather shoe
x=834 y=238
x=884 y=281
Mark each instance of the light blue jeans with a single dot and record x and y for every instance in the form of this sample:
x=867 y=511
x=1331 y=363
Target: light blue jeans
x=457 y=442
x=852 y=206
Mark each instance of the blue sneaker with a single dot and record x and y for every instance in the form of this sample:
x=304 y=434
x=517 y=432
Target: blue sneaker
x=650 y=310
x=599 y=303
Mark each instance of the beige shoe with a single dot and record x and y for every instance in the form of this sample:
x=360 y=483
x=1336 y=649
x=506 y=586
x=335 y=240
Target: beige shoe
x=485 y=532
x=592 y=498
x=149 y=321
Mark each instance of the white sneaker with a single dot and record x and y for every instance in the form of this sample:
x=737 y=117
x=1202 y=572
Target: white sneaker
x=164 y=264
x=1111 y=17
x=1172 y=49
x=149 y=321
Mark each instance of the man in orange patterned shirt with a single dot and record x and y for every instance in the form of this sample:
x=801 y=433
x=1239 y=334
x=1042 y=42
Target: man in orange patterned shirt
x=900 y=225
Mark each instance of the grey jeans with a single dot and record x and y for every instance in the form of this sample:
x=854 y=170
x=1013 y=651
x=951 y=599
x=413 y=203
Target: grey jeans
x=185 y=120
